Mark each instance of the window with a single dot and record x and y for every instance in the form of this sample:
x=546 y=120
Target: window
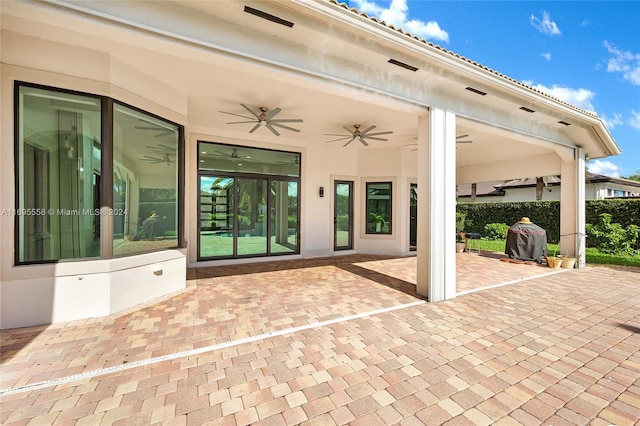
x=58 y=177
x=145 y=182
x=248 y=201
x=378 y=207
x=78 y=152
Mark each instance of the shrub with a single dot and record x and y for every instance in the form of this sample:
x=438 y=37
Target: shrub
x=611 y=237
x=460 y=219
x=496 y=231
x=343 y=222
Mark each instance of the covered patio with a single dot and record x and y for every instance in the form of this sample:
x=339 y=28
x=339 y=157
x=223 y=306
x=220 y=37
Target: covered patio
x=206 y=78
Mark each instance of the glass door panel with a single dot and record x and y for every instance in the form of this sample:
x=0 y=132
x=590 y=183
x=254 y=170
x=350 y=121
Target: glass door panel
x=216 y=216
x=343 y=215
x=252 y=216
x=283 y=219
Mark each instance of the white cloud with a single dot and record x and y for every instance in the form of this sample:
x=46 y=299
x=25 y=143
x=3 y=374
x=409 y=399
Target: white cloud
x=634 y=121
x=545 y=25
x=547 y=56
x=612 y=122
x=603 y=167
x=397 y=15
x=578 y=97
x=624 y=62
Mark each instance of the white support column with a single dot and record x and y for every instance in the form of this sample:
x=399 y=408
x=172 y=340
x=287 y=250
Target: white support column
x=572 y=208
x=436 y=274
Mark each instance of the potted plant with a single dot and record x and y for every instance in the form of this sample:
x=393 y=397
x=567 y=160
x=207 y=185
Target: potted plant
x=460 y=242
x=378 y=219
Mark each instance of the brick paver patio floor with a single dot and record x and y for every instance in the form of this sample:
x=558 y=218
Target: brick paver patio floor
x=344 y=340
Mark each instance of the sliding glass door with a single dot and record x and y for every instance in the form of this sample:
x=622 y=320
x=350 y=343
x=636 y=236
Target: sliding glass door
x=248 y=203
x=252 y=216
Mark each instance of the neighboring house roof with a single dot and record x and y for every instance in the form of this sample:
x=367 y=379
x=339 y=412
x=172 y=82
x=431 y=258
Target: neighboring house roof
x=596 y=178
x=455 y=55
x=483 y=189
x=497 y=189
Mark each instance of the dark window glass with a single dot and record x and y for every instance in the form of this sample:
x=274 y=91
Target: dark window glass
x=379 y=208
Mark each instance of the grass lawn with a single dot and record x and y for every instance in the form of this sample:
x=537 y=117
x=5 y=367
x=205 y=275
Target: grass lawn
x=593 y=254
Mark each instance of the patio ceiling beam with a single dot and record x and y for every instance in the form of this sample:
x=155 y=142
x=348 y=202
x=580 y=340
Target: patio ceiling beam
x=541 y=165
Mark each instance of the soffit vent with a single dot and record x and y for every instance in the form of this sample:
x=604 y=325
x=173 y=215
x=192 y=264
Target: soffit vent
x=403 y=65
x=268 y=16
x=479 y=92
x=564 y=123
x=526 y=109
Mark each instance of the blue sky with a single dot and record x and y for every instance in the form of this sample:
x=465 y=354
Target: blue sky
x=586 y=53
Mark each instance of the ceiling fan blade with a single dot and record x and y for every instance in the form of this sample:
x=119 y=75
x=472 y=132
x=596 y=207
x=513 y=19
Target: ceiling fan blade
x=464 y=141
x=274 y=131
x=461 y=136
x=377 y=134
x=254 y=128
x=285 y=120
x=352 y=139
x=271 y=114
x=237 y=115
x=339 y=139
x=353 y=133
x=242 y=122
x=271 y=123
x=374 y=138
x=363 y=141
x=368 y=129
x=251 y=112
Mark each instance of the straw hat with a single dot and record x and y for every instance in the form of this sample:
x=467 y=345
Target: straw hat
x=525 y=220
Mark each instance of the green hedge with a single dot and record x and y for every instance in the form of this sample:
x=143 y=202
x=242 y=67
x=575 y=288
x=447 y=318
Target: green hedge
x=546 y=214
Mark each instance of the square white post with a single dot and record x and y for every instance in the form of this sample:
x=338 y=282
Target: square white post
x=436 y=274
x=572 y=208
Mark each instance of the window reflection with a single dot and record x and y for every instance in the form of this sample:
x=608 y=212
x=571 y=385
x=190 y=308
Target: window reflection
x=145 y=182
x=59 y=173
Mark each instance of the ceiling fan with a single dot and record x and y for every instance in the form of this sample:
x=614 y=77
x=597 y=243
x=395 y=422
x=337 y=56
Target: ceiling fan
x=265 y=118
x=234 y=154
x=166 y=159
x=361 y=135
x=162 y=149
x=462 y=137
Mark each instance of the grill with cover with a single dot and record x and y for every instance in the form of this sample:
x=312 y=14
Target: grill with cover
x=526 y=241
